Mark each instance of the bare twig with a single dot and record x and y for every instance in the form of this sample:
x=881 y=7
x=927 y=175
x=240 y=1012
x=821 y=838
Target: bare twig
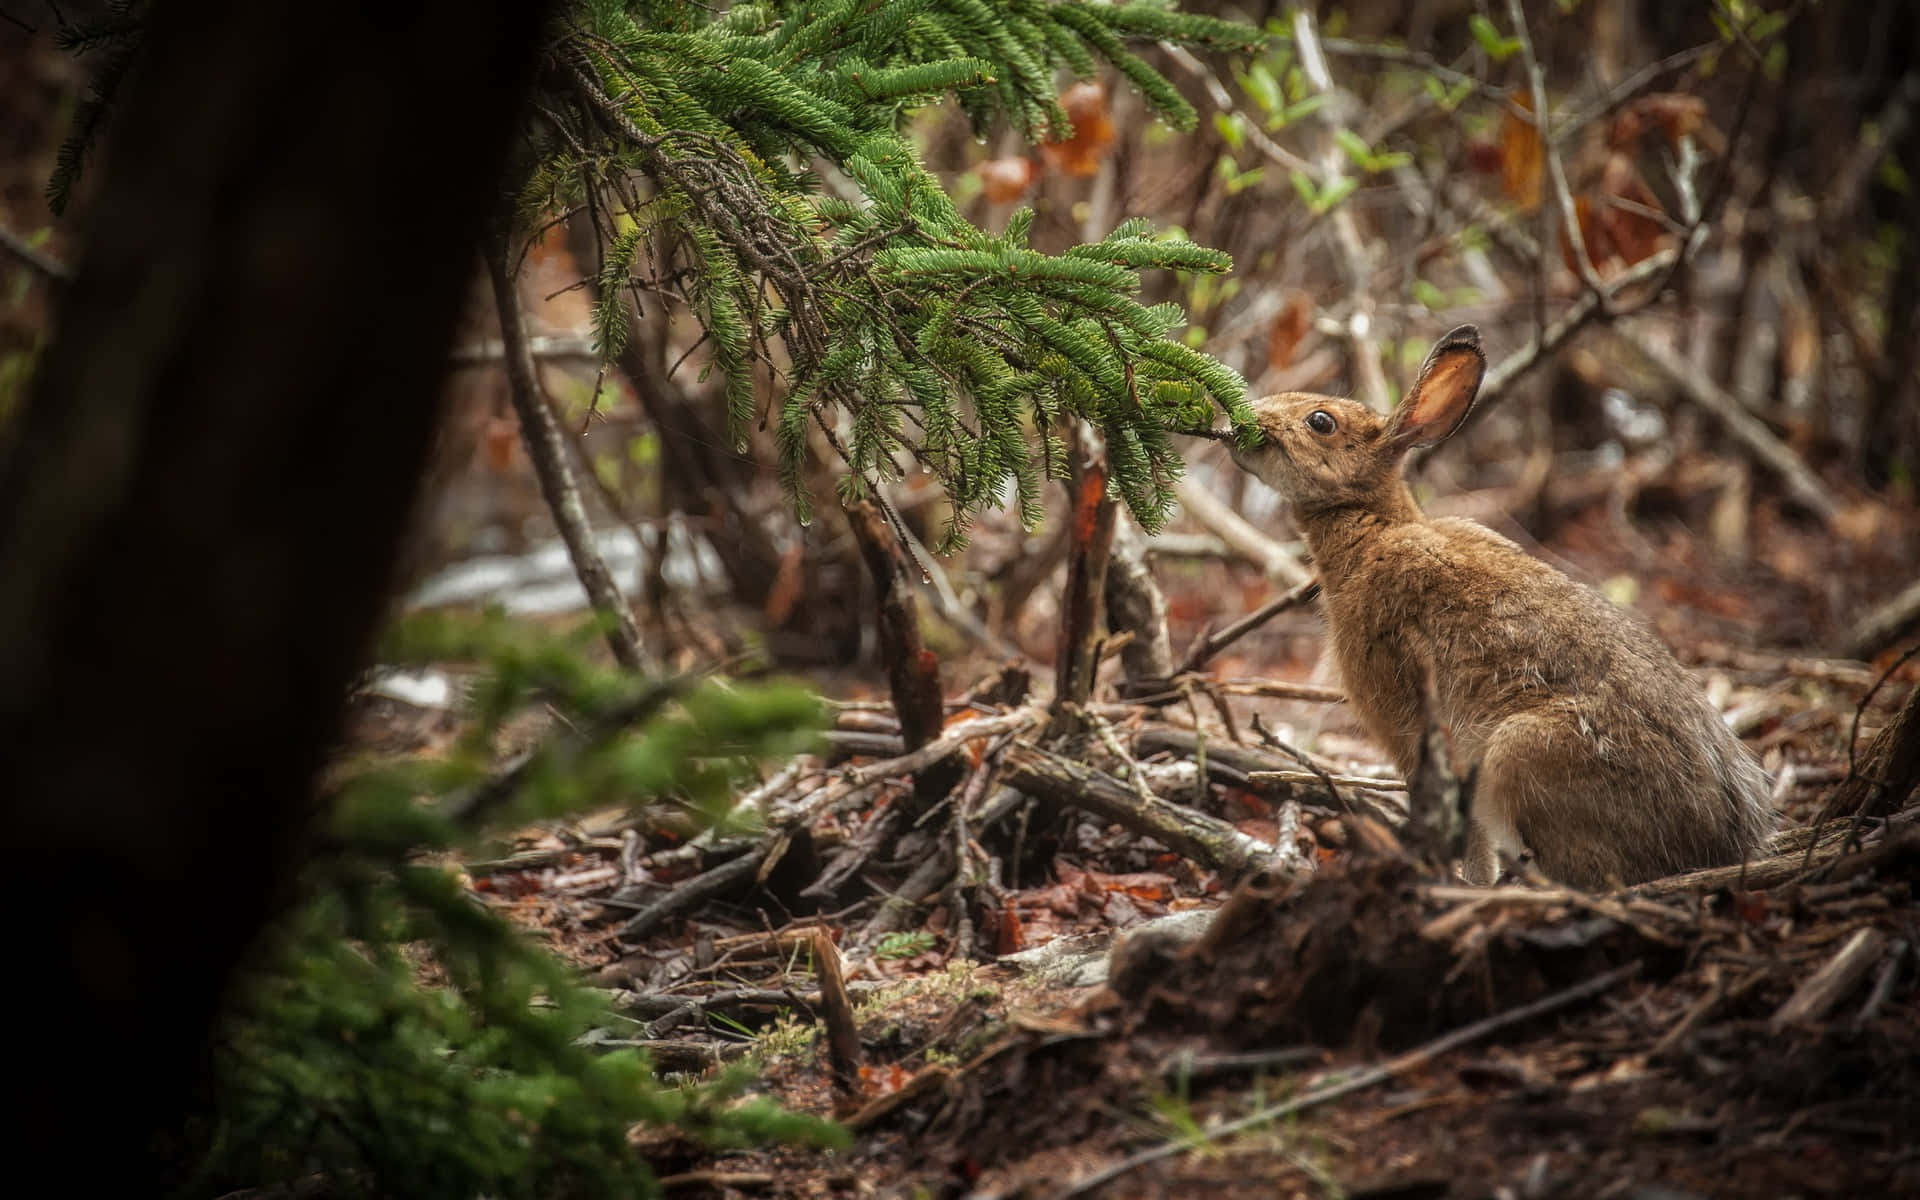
x=1304 y=759
x=1065 y=783
x=1211 y=643
x=1370 y=378
x=1556 y=170
x=1817 y=995
x=1369 y=1077
x=1742 y=425
x=42 y=263
x=1214 y=515
x=1884 y=625
x=1322 y=777
x=546 y=446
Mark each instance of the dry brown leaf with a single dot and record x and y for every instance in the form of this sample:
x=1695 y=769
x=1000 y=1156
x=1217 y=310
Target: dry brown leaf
x=788 y=583
x=1674 y=115
x=500 y=442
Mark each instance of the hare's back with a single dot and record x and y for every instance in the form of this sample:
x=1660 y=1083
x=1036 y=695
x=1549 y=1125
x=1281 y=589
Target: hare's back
x=1490 y=611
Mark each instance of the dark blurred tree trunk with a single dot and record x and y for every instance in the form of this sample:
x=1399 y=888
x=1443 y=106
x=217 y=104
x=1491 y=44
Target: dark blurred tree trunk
x=199 y=511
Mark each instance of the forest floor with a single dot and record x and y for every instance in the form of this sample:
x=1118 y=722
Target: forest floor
x=1367 y=1030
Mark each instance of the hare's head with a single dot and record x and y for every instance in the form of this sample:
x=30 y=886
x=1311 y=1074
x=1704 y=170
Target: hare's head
x=1322 y=453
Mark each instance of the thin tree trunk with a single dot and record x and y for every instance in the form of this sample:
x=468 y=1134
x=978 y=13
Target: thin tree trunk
x=200 y=512
x=913 y=671
x=1135 y=605
x=547 y=447
x=1090 y=518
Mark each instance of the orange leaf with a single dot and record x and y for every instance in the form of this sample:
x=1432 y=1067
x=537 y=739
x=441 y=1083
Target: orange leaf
x=1081 y=154
x=1675 y=115
x=1005 y=180
x=1522 y=162
x=788 y=583
x=1290 y=326
x=1008 y=932
x=500 y=440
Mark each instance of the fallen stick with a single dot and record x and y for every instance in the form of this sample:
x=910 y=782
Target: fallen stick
x=1361 y=1080
x=1884 y=625
x=1838 y=976
x=1233 y=529
x=957 y=736
x=690 y=893
x=1211 y=643
x=1064 y=783
x=836 y=1014
x=1744 y=427
x=1299 y=777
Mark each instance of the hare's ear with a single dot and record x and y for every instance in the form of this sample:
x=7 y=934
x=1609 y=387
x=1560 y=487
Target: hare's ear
x=1442 y=395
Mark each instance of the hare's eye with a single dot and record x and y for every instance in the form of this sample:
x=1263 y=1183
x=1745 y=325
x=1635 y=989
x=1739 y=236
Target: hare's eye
x=1321 y=422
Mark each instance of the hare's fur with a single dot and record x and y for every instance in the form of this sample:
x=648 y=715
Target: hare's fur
x=1595 y=749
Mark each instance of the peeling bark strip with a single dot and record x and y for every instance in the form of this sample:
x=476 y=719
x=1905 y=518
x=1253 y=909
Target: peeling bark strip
x=1065 y=783
x=547 y=447
x=1083 y=605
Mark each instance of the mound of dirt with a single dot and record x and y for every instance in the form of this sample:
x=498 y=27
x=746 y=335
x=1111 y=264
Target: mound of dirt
x=1353 y=958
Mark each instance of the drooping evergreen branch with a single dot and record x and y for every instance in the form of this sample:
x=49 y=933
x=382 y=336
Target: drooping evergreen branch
x=892 y=326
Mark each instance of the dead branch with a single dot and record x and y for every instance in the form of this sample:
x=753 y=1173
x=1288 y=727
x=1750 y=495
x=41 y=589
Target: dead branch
x=1556 y=170
x=1304 y=759
x=1350 y=249
x=1742 y=425
x=913 y=671
x=1821 y=849
x=1273 y=559
x=1017 y=722
x=1884 y=625
x=547 y=448
x=1136 y=606
x=1064 y=783
x=1296 y=778
x=1211 y=643
x=836 y=1013
x=684 y=897
x=1890 y=772
x=1838 y=976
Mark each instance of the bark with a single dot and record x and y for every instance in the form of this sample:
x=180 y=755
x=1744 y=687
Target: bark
x=547 y=448
x=1065 y=783
x=200 y=510
x=1082 y=607
x=1135 y=605
x=1889 y=770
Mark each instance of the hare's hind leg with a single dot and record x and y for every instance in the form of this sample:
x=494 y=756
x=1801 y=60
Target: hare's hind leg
x=1541 y=784
x=1481 y=864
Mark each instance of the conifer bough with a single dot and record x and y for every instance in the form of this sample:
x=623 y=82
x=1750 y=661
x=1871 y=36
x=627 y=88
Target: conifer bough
x=702 y=142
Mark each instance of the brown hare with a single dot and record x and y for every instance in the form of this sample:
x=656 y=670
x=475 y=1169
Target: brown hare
x=1596 y=750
